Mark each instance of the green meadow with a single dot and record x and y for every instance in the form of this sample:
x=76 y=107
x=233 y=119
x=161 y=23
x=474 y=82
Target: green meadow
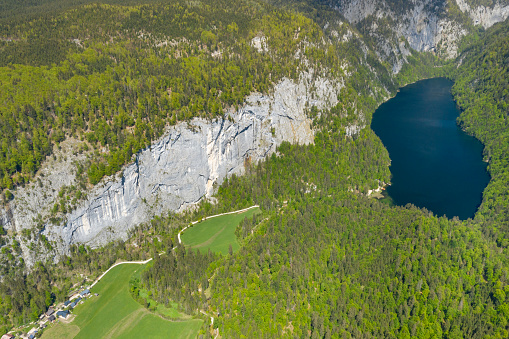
x=115 y=314
x=216 y=233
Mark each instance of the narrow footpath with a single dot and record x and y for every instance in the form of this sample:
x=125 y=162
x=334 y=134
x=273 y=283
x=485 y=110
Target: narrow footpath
x=180 y=242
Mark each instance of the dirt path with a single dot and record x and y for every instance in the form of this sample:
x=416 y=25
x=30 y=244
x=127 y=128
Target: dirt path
x=180 y=241
x=213 y=216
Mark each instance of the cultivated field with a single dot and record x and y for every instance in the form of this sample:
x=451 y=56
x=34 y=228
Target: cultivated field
x=216 y=233
x=115 y=314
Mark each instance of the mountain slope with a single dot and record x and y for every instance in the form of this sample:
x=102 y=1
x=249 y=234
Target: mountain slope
x=140 y=110
x=97 y=106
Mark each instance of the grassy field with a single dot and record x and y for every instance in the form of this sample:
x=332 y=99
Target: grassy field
x=216 y=233
x=115 y=314
x=61 y=330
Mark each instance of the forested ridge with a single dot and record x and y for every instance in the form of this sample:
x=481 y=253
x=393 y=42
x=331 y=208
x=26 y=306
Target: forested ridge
x=79 y=74
x=320 y=261
x=482 y=92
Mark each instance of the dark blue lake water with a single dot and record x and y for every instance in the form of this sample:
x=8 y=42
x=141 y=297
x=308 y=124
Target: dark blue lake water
x=434 y=164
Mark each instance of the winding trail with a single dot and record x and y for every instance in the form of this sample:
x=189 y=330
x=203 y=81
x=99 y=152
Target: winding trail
x=119 y=263
x=213 y=216
x=180 y=242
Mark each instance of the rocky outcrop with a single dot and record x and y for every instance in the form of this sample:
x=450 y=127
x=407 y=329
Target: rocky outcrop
x=418 y=25
x=181 y=168
x=395 y=28
x=483 y=15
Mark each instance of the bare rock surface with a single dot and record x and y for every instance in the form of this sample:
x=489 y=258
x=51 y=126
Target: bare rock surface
x=483 y=15
x=422 y=25
x=178 y=170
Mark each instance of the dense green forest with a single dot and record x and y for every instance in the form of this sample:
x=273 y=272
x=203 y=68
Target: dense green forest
x=320 y=261
x=482 y=92
x=78 y=74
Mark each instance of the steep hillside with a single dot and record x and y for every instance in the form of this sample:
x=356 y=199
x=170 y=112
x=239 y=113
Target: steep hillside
x=113 y=115
x=336 y=265
x=76 y=92
x=218 y=87
x=482 y=91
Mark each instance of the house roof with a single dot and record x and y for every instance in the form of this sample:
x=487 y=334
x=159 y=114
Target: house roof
x=87 y=291
x=50 y=312
x=7 y=336
x=51 y=318
x=73 y=305
x=63 y=314
x=67 y=302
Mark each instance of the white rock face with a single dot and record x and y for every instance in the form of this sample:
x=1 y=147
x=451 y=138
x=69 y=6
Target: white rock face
x=420 y=27
x=260 y=43
x=423 y=24
x=485 y=16
x=182 y=167
x=357 y=10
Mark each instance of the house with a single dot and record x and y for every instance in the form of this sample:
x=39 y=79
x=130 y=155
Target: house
x=7 y=336
x=67 y=303
x=73 y=305
x=63 y=314
x=51 y=318
x=50 y=311
x=85 y=292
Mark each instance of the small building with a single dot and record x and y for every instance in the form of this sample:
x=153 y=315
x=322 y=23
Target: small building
x=7 y=336
x=50 y=311
x=85 y=292
x=31 y=336
x=75 y=302
x=52 y=318
x=63 y=314
x=67 y=303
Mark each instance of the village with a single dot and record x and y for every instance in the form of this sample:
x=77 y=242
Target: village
x=60 y=312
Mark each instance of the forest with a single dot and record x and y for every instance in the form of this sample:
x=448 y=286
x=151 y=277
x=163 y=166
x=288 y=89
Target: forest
x=322 y=260
x=63 y=78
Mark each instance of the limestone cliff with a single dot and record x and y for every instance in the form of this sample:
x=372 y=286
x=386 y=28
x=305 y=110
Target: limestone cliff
x=484 y=15
x=176 y=171
x=395 y=27
x=192 y=158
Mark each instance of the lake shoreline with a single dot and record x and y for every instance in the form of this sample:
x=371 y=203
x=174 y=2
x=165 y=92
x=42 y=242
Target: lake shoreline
x=434 y=164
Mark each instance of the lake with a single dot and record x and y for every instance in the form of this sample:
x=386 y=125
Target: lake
x=434 y=163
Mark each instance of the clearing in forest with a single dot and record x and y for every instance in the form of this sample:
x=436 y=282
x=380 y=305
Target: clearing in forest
x=115 y=314
x=216 y=233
